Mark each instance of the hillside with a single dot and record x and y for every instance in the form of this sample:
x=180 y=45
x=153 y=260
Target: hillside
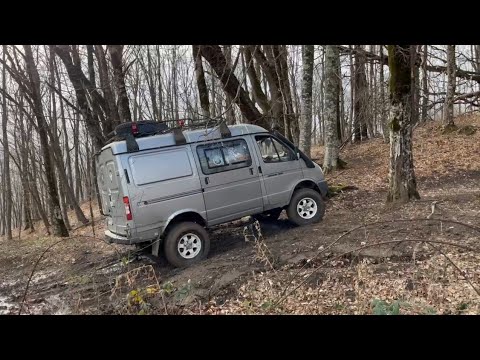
x=83 y=274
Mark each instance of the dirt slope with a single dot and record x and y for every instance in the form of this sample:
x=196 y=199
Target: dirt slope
x=84 y=275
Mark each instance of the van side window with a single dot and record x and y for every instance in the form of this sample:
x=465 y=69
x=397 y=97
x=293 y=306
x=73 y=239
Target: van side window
x=273 y=151
x=148 y=168
x=223 y=156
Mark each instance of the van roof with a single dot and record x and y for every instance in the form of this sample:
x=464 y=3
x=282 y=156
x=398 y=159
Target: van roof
x=168 y=139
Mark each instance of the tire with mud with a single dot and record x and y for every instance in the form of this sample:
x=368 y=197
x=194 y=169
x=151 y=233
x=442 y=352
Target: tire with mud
x=306 y=207
x=186 y=243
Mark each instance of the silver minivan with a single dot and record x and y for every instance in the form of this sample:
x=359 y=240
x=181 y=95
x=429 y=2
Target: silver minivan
x=167 y=189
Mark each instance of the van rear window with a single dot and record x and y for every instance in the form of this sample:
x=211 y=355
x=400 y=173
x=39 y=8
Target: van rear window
x=223 y=156
x=166 y=165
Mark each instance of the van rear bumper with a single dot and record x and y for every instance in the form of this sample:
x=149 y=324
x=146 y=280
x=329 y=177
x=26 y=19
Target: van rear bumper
x=117 y=239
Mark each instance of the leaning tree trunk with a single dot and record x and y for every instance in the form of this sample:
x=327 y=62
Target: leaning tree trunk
x=332 y=99
x=213 y=54
x=257 y=92
x=402 y=182
x=59 y=227
x=201 y=84
x=281 y=65
x=306 y=114
x=449 y=99
x=111 y=110
x=119 y=77
x=271 y=77
x=82 y=89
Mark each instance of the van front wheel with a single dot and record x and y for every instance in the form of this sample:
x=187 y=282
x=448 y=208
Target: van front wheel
x=306 y=207
x=186 y=243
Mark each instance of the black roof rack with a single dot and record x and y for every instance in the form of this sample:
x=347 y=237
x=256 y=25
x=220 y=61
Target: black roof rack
x=131 y=130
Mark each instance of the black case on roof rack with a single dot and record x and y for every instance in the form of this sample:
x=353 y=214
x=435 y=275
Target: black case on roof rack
x=131 y=130
x=143 y=128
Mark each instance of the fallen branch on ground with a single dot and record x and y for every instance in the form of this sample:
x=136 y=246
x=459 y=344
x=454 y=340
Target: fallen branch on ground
x=473 y=227
x=283 y=296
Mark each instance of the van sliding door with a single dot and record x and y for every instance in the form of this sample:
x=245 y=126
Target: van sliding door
x=230 y=180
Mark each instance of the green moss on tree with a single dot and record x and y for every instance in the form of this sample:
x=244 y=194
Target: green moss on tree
x=467 y=130
x=339 y=188
x=449 y=128
x=395 y=125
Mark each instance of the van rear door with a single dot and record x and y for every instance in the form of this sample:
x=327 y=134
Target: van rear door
x=111 y=193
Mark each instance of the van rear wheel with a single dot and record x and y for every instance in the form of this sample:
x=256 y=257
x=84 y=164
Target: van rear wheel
x=186 y=243
x=306 y=207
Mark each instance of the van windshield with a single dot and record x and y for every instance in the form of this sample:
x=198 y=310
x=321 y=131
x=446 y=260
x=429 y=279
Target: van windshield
x=274 y=151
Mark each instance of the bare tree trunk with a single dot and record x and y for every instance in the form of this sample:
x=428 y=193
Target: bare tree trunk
x=321 y=107
x=281 y=66
x=201 y=84
x=116 y=54
x=213 y=54
x=354 y=126
x=415 y=85
x=6 y=156
x=111 y=110
x=274 y=86
x=174 y=82
x=425 y=84
x=229 y=103
x=373 y=84
x=59 y=225
x=451 y=78
x=64 y=187
x=258 y=94
x=402 y=182
x=81 y=85
x=306 y=115
x=332 y=78
x=341 y=103
x=383 y=115
x=361 y=96
x=31 y=184
x=66 y=150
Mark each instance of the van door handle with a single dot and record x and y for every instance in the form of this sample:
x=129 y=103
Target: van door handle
x=206 y=180
x=251 y=171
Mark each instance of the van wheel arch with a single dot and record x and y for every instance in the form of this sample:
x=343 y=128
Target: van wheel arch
x=306 y=184
x=189 y=216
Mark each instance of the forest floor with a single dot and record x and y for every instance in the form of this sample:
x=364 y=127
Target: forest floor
x=294 y=270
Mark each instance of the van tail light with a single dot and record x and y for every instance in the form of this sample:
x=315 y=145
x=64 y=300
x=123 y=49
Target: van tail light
x=128 y=210
x=134 y=128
